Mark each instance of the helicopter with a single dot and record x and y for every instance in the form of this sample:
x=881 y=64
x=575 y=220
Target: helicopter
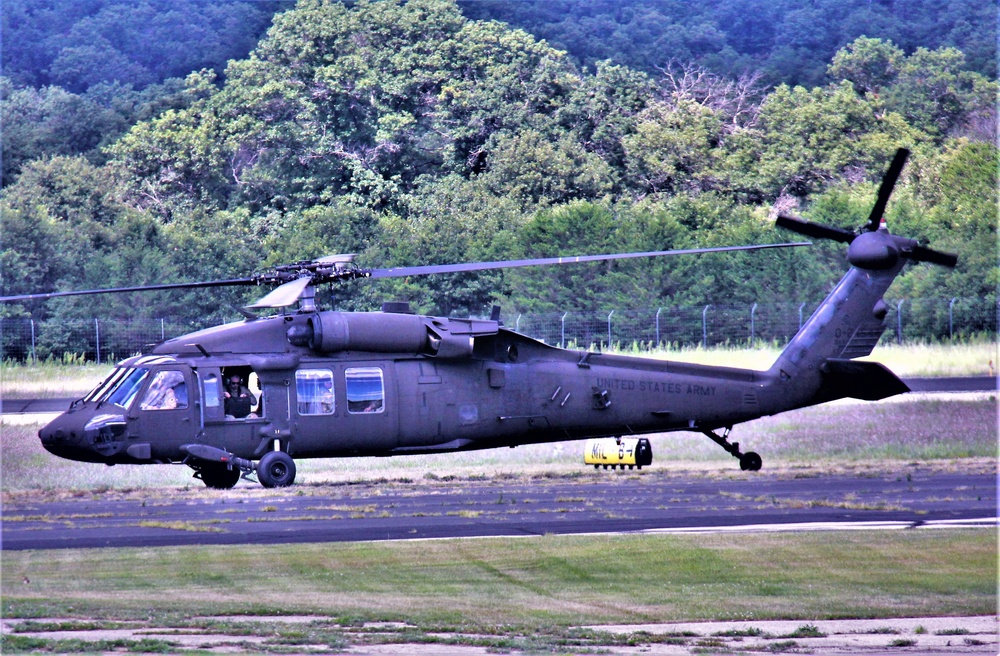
x=250 y=397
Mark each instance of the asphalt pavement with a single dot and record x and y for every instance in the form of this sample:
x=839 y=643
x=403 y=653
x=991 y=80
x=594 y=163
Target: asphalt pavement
x=900 y=496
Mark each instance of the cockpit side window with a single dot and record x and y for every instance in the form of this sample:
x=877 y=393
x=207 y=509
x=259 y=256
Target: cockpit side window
x=365 y=390
x=127 y=387
x=167 y=391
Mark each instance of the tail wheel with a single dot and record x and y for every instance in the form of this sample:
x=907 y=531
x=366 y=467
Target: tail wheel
x=276 y=469
x=750 y=461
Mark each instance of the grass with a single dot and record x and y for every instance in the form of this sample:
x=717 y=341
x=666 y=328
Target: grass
x=500 y=589
x=908 y=360
x=56 y=380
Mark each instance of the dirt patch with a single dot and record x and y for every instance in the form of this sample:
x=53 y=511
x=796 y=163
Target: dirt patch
x=939 y=635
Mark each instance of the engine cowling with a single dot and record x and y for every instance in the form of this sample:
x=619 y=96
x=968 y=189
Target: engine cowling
x=387 y=332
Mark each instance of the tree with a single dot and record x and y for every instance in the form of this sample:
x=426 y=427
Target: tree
x=676 y=145
x=40 y=123
x=64 y=228
x=870 y=65
x=806 y=139
x=935 y=94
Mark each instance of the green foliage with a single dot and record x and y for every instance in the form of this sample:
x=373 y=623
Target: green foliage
x=790 y=41
x=410 y=134
x=931 y=89
x=80 y=44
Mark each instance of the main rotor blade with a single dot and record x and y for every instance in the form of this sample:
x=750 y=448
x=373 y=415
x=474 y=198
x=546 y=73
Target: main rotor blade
x=924 y=254
x=284 y=295
x=814 y=229
x=885 y=189
x=120 y=290
x=402 y=272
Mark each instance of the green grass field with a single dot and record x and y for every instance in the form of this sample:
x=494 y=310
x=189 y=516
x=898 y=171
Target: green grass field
x=503 y=594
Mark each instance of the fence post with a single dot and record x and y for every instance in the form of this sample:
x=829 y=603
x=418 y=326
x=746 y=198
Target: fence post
x=951 y=319
x=517 y=324
x=753 y=333
x=97 y=335
x=163 y=332
x=899 y=321
x=34 y=353
x=562 y=331
x=609 y=328
x=800 y=315
x=704 y=327
x=658 y=327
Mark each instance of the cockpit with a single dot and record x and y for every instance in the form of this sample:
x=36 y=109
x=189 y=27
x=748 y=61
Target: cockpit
x=124 y=383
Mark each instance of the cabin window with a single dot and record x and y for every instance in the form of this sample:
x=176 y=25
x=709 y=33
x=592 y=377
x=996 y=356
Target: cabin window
x=212 y=394
x=365 y=390
x=314 y=391
x=167 y=391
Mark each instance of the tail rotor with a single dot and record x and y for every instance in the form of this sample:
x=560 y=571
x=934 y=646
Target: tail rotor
x=872 y=246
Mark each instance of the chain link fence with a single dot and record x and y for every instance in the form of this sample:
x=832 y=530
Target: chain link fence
x=908 y=320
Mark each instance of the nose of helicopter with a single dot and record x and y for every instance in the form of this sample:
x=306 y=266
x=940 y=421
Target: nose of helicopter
x=66 y=436
x=61 y=437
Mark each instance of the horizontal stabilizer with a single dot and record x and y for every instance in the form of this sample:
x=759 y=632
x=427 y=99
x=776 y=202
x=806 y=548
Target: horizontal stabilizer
x=869 y=381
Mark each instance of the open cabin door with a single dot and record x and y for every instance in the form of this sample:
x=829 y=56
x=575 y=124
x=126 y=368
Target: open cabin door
x=227 y=424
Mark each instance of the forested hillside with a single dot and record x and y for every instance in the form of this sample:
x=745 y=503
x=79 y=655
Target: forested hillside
x=410 y=133
x=788 y=41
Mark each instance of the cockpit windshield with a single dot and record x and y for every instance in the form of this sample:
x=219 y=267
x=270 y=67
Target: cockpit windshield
x=121 y=390
x=107 y=384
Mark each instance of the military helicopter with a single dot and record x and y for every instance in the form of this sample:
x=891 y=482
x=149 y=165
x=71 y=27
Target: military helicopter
x=342 y=384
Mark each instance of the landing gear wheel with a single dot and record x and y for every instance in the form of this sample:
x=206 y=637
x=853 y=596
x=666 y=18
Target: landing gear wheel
x=750 y=461
x=276 y=469
x=219 y=477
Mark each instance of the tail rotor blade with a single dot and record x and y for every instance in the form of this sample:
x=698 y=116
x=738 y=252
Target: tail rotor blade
x=814 y=229
x=885 y=190
x=924 y=254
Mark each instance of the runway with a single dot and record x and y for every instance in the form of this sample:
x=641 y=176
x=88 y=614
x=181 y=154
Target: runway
x=897 y=496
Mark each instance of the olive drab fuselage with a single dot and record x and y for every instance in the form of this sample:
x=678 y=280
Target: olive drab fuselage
x=424 y=385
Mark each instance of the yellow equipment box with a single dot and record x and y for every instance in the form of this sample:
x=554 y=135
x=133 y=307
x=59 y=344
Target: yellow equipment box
x=616 y=451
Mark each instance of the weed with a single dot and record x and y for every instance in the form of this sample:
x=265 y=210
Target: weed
x=806 y=631
x=785 y=645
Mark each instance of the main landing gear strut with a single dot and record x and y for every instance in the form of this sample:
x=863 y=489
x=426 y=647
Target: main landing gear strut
x=220 y=469
x=749 y=461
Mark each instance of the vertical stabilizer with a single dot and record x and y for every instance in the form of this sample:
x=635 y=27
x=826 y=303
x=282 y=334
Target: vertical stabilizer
x=817 y=366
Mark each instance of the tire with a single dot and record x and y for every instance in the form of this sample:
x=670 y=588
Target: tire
x=750 y=462
x=219 y=477
x=276 y=469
